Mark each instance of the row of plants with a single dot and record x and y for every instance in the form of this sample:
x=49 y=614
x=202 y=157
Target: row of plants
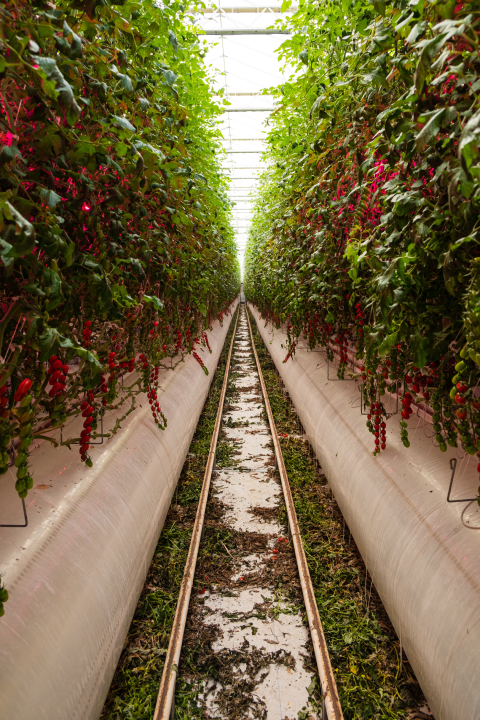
x=374 y=678
x=116 y=247
x=365 y=236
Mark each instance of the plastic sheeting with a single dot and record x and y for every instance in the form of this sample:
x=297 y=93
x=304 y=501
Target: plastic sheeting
x=75 y=573
x=425 y=564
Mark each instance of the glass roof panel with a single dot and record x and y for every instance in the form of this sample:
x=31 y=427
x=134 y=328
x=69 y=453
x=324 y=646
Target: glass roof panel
x=245 y=65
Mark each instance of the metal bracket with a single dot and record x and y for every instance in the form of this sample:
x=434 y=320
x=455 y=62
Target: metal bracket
x=337 y=378
x=453 y=467
x=11 y=464
x=24 y=515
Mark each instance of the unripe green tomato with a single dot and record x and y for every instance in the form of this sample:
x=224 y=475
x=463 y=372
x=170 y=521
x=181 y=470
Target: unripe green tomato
x=439 y=438
x=23 y=494
x=406 y=443
x=456 y=378
x=442 y=446
x=25 y=443
x=470 y=449
x=3 y=595
x=25 y=430
x=381 y=391
x=27 y=416
x=20 y=485
x=22 y=472
x=436 y=426
x=26 y=401
x=452 y=441
x=460 y=366
x=4 y=441
x=29 y=482
x=21 y=459
x=453 y=392
x=4 y=458
x=3 y=469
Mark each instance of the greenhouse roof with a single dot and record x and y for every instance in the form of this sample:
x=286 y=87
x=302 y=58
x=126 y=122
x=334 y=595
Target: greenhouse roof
x=242 y=45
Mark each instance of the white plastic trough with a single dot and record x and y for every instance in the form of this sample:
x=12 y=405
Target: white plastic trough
x=424 y=562
x=75 y=573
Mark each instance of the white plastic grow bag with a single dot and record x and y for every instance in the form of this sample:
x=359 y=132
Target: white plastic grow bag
x=425 y=564
x=75 y=573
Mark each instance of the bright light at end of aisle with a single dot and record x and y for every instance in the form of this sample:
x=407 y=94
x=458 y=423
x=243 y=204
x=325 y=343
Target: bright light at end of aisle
x=246 y=64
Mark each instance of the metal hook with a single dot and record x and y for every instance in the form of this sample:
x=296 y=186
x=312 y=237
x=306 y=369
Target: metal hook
x=24 y=515
x=453 y=467
x=337 y=378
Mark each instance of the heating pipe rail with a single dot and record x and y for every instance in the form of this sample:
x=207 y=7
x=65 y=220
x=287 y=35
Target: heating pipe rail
x=165 y=706
x=330 y=697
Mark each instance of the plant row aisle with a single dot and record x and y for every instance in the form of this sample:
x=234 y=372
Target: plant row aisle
x=116 y=246
x=366 y=235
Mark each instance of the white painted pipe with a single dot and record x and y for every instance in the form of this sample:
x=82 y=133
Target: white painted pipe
x=75 y=573
x=424 y=562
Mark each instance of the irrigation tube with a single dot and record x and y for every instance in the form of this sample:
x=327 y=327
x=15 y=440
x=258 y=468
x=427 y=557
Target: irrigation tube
x=330 y=697
x=76 y=572
x=425 y=564
x=166 y=693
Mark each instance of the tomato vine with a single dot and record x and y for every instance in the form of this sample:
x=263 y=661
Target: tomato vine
x=116 y=247
x=366 y=234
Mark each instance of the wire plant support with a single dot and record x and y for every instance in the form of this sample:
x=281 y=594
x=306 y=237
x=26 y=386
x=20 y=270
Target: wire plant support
x=16 y=525
x=453 y=467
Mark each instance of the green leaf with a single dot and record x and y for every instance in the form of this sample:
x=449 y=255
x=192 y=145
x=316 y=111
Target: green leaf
x=387 y=344
x=173 y=40
x=125 y=82
x=9 y=153
x=156 y=302
x=170 y=77
x=303 y=56
x=49 y=198
x=121 y=149
x=124 y=123
x=379 y=6
x=55 y=85
x=439 y=119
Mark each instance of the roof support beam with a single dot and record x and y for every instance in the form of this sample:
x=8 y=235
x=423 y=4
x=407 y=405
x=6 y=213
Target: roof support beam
x=249 y=31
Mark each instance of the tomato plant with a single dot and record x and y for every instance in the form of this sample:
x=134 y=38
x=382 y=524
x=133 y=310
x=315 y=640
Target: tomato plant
x=366 y=232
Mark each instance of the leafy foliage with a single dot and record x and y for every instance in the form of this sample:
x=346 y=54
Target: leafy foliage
x=116 y=246
x=366 y=232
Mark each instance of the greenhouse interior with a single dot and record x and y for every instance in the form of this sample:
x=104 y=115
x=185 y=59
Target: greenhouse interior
x=240 y=360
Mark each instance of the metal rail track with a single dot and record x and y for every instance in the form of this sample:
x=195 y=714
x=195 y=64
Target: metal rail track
x=331 y=701
x=165 y=706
